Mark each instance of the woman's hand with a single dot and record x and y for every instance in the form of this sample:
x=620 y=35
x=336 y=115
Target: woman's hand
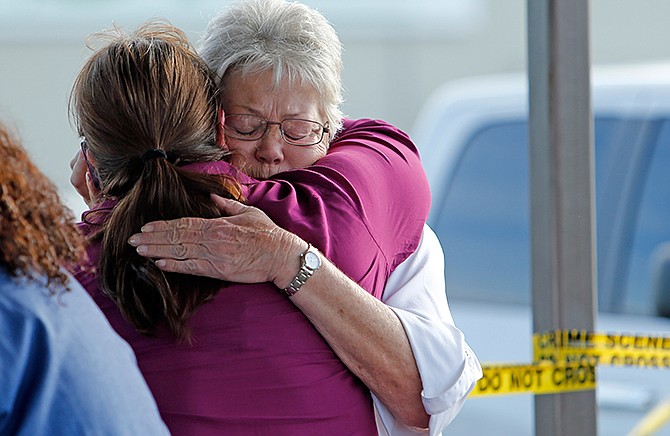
x=245 y=246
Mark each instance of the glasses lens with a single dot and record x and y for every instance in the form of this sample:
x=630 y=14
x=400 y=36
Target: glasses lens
x=302 y=132
x=244 y=127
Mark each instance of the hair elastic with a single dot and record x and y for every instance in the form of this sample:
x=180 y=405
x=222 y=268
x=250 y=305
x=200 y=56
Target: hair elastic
x=153 y=154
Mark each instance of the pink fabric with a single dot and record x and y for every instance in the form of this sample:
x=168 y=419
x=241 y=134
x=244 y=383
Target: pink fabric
x=257 y=365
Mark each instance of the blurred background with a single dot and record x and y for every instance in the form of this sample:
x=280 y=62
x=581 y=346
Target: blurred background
x=395 y=53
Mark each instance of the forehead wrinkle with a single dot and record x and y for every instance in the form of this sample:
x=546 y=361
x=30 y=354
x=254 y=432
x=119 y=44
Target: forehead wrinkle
x=258 y=97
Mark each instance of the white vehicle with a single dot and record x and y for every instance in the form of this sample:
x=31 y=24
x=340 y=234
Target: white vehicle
x=474 y=144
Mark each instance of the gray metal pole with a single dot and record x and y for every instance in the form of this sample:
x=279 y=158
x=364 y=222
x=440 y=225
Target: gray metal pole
x=562 y=192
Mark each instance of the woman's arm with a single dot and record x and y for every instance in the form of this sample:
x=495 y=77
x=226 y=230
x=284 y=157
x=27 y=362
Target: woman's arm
x=449 y=369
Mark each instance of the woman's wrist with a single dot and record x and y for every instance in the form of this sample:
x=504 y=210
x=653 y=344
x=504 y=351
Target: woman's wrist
x=288 y=254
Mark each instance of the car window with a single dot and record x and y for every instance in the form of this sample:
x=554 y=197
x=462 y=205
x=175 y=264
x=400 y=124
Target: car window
x=624 y=151
x=652 y=226
x=483 y=219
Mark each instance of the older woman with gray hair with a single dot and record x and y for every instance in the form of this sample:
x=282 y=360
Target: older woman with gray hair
x=279 y=65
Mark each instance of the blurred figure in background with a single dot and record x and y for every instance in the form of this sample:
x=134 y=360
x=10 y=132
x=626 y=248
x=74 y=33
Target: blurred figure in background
x=63 y=370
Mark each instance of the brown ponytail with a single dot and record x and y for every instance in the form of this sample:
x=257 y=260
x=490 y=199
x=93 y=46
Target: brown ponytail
x=149 y=93
x=146 y=295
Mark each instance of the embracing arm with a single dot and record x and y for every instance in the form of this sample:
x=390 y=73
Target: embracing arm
x=449 y=368
x=367 y=336
x=248 y=247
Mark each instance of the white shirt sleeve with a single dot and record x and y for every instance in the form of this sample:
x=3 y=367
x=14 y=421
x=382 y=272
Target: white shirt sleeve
x=448 y=367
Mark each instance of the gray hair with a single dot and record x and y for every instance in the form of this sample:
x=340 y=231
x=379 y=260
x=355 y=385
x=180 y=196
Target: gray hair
x=288 y=38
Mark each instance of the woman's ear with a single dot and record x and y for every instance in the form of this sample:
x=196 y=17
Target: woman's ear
x=92 y=171
x=220 y=134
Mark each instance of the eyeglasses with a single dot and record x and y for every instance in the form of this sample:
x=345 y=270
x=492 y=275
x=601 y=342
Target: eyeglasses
x=294 y=131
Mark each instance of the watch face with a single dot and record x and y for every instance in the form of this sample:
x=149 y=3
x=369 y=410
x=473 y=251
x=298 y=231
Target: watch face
x=312 y=260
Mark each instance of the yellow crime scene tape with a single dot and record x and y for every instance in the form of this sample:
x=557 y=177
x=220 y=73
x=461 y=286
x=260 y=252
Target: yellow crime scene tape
x=537 y=378
x=603 y=349
x=566 y=361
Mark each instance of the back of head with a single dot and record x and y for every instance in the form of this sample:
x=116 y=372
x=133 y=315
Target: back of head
x=37 y=232
x=146 y=105
x=288 y=38
x=140 y=92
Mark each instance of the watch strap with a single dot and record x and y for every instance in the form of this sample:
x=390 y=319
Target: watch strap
x=304 y=273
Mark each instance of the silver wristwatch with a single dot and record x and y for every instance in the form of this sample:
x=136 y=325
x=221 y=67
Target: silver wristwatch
x=310 y=261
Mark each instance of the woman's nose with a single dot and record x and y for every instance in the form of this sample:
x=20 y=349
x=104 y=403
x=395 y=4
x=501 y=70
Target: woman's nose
x=270 y=148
